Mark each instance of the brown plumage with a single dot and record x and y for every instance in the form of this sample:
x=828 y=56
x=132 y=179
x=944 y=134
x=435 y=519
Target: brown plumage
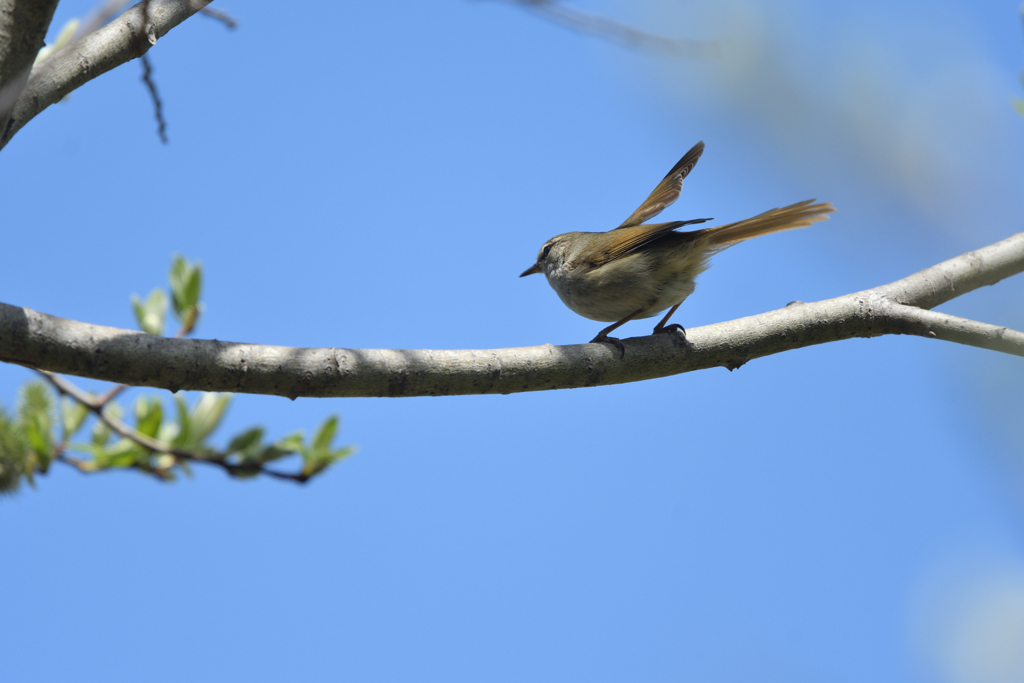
x=640 y=269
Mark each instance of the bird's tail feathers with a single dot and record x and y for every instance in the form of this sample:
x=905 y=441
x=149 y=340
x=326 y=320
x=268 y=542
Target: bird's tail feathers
x=799 y=215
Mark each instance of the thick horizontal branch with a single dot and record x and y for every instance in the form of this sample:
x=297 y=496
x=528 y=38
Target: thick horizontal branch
x=49 y=343
x=127 y=37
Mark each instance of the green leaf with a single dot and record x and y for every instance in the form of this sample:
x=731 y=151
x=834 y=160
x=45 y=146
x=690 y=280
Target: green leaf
x=247 y=442
x=169 y=432
x=319 y=456
x=1019 y=106
x=16 y=458
x=35 y=418
x=122 y=453
x=149 y=413
x=201 y=420
x=207 y=414
x=151 y=313
x=73 y=414
x=100 y=434
x=186 y=284
x=289 y=445
x=184 y=438
x=193 y=286
x=318 y=461
x=178 y=276
x=325 y=435
x=34 y=398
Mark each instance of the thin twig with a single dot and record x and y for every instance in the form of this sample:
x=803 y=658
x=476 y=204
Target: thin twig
x=220 y=16
x=596 y=25
x=158 y=107
x=104 y=399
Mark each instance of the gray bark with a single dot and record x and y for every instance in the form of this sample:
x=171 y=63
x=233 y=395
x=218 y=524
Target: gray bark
x=23 y=26
x=126 y=38
x=46 y=342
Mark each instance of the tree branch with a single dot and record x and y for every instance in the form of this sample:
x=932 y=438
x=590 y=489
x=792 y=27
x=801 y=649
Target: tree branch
x=46 y=342
x=127 y=37
x=23 y=25
x=926 y=323
x=95 y=405
x=596 y=25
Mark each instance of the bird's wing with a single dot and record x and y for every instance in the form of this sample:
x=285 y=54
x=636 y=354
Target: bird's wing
x=667 y=190
x=619 y=244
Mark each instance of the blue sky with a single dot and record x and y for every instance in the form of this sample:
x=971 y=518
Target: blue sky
x=377 y=175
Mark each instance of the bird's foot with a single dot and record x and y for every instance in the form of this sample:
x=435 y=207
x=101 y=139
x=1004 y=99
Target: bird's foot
x=610 y=340
x=674 y=327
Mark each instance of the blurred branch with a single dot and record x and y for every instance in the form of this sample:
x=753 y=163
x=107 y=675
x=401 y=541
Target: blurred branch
x=107 y=10
x=99 y=17
x=222 y=17
x=127 y=37
x=49 y=343
x=593 y=24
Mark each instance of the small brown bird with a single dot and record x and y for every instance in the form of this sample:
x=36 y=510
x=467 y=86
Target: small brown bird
x=639 y=269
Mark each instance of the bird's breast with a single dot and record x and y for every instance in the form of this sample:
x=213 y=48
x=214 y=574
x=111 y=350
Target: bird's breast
x=611 y=292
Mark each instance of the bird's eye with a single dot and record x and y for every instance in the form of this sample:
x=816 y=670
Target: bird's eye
x=544 y=251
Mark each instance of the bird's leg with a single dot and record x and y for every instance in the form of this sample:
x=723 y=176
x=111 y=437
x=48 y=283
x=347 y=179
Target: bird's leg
x=661 y=328
x=602 y=336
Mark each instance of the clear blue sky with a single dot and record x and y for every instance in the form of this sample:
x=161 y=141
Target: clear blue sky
x=377 y=175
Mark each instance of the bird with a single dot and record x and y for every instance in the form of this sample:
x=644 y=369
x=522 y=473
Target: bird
x=640 y=269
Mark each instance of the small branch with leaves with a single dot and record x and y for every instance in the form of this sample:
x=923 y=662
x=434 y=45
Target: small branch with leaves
x=157 y=445
x=158 y=448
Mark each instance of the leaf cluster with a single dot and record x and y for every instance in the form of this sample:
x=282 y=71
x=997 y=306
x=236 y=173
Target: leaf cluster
x=160 y=442
x=186 y=281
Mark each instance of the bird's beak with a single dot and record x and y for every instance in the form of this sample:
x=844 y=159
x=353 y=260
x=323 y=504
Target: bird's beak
x=535 y=268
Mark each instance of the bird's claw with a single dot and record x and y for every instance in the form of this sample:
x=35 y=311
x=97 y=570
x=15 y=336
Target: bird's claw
x=613 y=341
x=674 y=327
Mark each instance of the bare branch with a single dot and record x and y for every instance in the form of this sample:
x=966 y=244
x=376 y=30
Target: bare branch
x=46 y=342
x=603 y=27
x=926 y=323
x=127 y=37
x=158 y=106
